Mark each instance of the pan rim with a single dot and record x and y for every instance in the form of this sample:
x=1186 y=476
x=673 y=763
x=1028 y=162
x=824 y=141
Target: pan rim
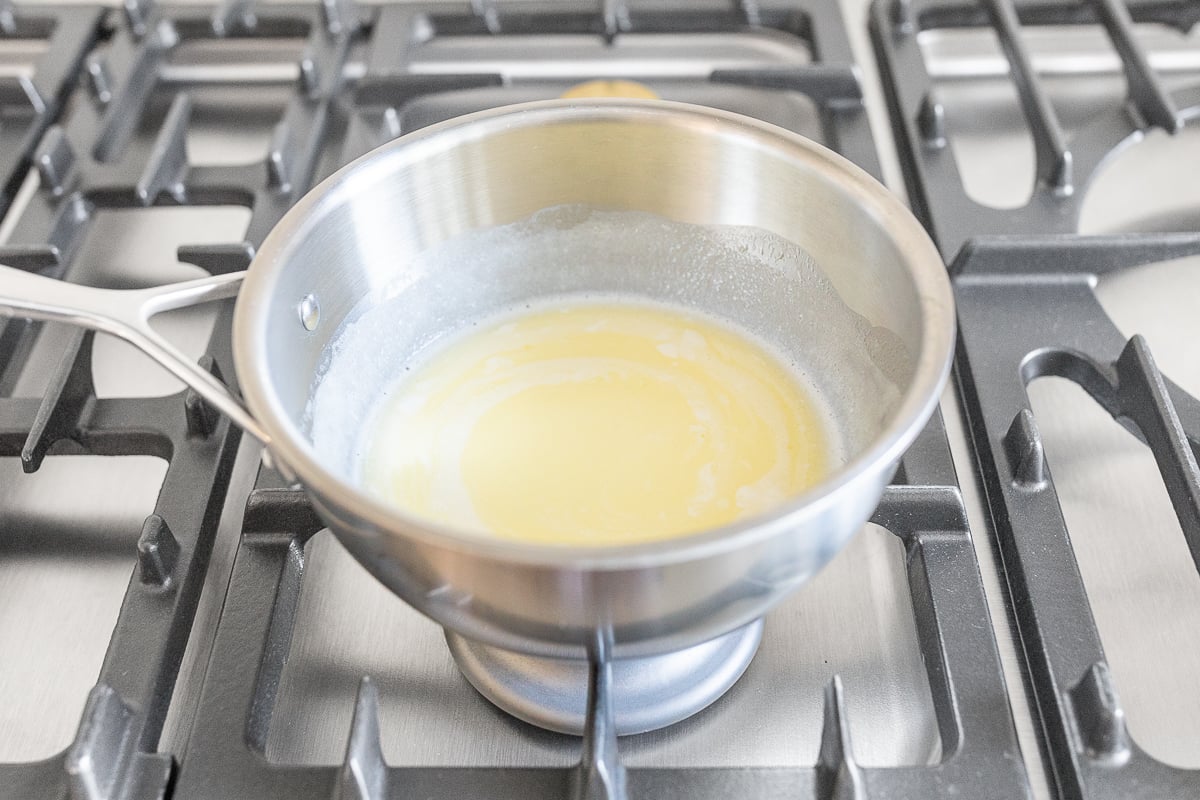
x=339 y=497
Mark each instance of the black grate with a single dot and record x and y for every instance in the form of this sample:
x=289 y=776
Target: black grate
x=1062 y=166
x=114 y=753
x=351 y=90
x=30 y=101
x=1027 y=308
x=87 y=161
x=94 y=160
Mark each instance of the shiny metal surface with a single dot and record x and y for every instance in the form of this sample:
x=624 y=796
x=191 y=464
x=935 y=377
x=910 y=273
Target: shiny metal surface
x=126 y=314
x=648 y=693
x=360 y=231
x=855 y=618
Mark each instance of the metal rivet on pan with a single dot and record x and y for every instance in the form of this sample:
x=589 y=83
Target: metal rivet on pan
x=310 y=312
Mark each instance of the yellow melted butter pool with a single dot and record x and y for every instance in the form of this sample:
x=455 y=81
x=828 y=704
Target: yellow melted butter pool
x=595 y=423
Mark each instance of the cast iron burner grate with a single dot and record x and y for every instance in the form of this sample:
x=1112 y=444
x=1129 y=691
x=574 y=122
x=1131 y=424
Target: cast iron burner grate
x=1027 y=308
x=89 y=158
x=29 y=103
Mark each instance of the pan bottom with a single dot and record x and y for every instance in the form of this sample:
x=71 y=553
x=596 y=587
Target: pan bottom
x=648 y=693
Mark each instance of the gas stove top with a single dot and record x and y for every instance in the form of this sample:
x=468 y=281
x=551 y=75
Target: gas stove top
x=177 y=623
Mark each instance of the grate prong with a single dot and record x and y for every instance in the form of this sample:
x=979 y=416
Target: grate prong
x=931 y=120
x=54 y=159
x=486 y=10
x=1146 y=91
x=202 y=418
x=158 y=550
x=137 y=15
x=1144 y=399
x=8 y=18
x=1025 y=452
x=1055 y=163
x=364 y=775
x=339 y=16
x=600 y=774
x=67 y=400
x=903 y=17
x=1099 y=720
x=838 y=775
x=168 y=159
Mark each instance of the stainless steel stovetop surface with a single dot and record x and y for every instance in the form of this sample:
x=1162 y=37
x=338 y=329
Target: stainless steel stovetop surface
x=855 y=619
x=63 y=572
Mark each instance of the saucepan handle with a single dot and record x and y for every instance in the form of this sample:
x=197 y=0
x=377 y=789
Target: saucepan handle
x=126 y=313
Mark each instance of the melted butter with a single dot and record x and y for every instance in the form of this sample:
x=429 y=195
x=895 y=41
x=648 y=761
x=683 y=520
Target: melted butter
x=596 y=424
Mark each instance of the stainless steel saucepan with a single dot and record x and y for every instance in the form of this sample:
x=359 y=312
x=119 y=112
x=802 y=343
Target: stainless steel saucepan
x=358 y=238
